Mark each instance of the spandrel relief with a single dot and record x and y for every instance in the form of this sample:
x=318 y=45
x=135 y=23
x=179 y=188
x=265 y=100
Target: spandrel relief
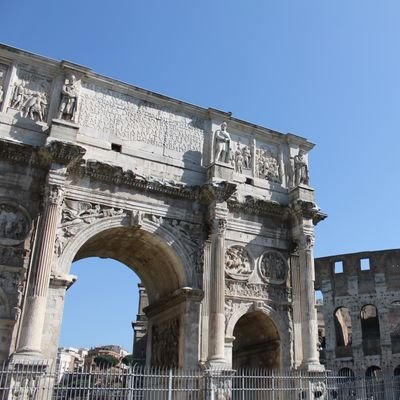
x=267 y=163
x=273 y=267
x=130 y=119
x=238 y=264
x=31 y=94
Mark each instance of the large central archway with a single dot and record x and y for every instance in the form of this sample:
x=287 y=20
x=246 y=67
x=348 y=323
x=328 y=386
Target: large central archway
x=159 y=260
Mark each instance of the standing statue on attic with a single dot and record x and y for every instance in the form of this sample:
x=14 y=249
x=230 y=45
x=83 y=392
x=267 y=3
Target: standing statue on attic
x=300 y=169
x=222 y=144
x=69 y=99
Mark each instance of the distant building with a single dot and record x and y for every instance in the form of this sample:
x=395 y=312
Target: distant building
x=109 y=350
x=70 y=359
x=359 y=317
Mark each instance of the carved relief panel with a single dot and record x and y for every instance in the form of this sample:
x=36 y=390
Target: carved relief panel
x=273 y=267
x=15 y=225
x=238 y=264
x=241 y=155
x=165 y=344
x=267 y=162
x=31 y=95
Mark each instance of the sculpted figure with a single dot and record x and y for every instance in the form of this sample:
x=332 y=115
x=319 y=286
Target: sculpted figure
x=247 y=157
x=222 y=144
x=35 y=105
x=300 y=169
x=19 y=97
x=69 y=99
x=238 y=159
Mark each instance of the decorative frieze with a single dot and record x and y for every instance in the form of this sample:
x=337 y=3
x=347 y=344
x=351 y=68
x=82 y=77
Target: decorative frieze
x=235 y=288
x=117 y=176
x=130 y=119
x=252 y=205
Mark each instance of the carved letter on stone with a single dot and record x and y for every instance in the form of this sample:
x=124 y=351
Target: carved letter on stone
x=273 y=267
x=237 y=263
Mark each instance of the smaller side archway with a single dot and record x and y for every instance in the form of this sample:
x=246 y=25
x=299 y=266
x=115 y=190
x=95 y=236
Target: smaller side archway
x=257 y=342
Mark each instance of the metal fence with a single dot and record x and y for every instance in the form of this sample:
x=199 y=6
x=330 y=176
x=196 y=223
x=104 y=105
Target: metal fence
x=43 y=382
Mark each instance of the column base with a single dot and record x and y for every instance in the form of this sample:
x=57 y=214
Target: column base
x=217 y=363
x=26 y=356
x=312 y=367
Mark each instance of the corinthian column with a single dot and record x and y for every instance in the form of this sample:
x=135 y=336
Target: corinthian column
x=216 y=341
x=34 y=315
x=309 y=327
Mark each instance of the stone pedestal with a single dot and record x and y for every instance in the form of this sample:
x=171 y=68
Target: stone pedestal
x=220 y=171
x=63 y=130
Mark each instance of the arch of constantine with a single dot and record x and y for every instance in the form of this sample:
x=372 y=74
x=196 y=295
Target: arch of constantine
x=214 y=214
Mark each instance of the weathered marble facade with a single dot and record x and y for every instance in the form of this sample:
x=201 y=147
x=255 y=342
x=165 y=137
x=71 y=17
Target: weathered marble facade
x=214 y=214
x=359 y=316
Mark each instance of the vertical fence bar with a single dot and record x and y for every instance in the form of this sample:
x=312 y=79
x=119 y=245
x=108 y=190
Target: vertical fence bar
x=170 y=384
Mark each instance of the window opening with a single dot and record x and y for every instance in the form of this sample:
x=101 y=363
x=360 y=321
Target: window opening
x=338 y=267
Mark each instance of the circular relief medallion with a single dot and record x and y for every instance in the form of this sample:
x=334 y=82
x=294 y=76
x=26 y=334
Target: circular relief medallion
x=273 y=267
x=237 y=263
x=14 y=224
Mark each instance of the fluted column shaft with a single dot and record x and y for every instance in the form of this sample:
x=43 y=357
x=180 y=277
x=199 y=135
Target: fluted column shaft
x=34 y=316
x=216 y=343
x=309 y=312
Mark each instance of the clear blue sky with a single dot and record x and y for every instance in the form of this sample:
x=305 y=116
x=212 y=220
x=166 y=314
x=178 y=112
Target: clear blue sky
x=326 y=70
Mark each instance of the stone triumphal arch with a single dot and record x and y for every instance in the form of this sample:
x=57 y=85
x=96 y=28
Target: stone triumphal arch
x=216 y=216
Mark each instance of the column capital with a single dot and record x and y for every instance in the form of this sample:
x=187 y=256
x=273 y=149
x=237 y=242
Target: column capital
x=54 y=195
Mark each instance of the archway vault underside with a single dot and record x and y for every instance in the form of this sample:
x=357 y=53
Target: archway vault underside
x=153 y=260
